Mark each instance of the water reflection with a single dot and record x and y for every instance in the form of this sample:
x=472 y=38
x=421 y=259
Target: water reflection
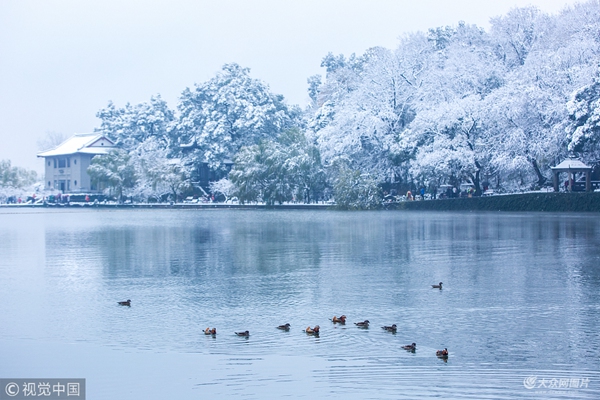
x=520 y=292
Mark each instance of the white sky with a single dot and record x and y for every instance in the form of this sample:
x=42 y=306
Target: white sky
x=63 y=60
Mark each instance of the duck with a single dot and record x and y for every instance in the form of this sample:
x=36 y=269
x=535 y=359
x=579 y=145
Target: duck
x=390 y=328
x=209 y=331
x=364 y=324
x=244 y=334
x=437 y=286
x=285 y=327
x=340 y=320
x=410 y=347
x=125 y=303
x=442 y=353
x=313 y=331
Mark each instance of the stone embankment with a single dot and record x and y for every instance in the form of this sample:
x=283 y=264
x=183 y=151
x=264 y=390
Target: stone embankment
x=538 y=201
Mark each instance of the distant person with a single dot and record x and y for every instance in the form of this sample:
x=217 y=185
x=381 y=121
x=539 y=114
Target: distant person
x=87 y=198
x=409 y=195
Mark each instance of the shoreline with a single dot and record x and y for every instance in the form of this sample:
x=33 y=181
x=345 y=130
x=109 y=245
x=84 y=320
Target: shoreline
x=522 y=202
x=174 y=206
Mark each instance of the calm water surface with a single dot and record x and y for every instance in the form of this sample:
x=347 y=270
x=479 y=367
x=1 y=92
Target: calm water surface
x=520 y=304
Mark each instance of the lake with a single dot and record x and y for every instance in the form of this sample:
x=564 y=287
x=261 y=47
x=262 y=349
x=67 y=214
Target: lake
x=519 y=310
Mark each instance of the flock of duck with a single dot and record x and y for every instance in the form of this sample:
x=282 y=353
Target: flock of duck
x=316 y=329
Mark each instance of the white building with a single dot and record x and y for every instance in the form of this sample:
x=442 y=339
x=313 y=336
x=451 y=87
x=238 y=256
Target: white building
x=66 y=165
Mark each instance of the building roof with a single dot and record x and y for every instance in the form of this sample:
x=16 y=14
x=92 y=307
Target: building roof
x=88 y=143
x=572 y=163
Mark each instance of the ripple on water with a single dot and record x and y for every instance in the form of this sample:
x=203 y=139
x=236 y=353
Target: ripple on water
x=516 y=302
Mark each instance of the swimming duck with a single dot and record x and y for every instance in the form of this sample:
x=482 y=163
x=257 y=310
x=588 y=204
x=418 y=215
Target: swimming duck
x=390 y=328
x=410 y=347
x=364 y=324
x=209 y=331
x=285 y=327
x=125 y=303
x=437 y=286
x=313 y=331
x=245 y=333
x=340 y=320
x=442 y=353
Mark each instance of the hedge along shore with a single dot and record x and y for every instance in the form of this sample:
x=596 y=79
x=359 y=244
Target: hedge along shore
x=549 y=202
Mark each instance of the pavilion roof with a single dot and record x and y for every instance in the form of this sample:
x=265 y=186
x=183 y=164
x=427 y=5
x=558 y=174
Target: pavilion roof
x=572 y=164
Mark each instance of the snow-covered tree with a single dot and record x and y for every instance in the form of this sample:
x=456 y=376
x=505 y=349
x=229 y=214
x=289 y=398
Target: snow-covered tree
x=354 y=190
x=584 y=128
x=341 y=78
x=257 y=174
x=366 y=120
x=229 y=111
x=302 y=165
x=131 y=125
x=115 y=171
x=15 y=177
x=314 y=83
x=445 y=138
x=462 y=63
x=222 y=186
x=157 y=174
x=279 y=170
x=516 y=34
x=526 y=116
x=524 y=134
x=447 y=143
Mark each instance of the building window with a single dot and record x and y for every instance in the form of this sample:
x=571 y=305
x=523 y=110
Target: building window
x=62 y=163
x=49 y=184
x=75 y=162
x=74 y=183
x=55 y=183
x=68 y=163
x=69 y=184
x=55 y=165
x=48 y=162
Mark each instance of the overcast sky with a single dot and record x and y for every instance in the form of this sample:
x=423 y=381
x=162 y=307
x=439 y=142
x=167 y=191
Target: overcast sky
x=63 y=60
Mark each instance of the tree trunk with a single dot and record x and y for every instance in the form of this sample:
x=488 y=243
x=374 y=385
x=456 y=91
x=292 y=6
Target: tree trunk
x=477 y=184
x=477 y=180
x=541 y=178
